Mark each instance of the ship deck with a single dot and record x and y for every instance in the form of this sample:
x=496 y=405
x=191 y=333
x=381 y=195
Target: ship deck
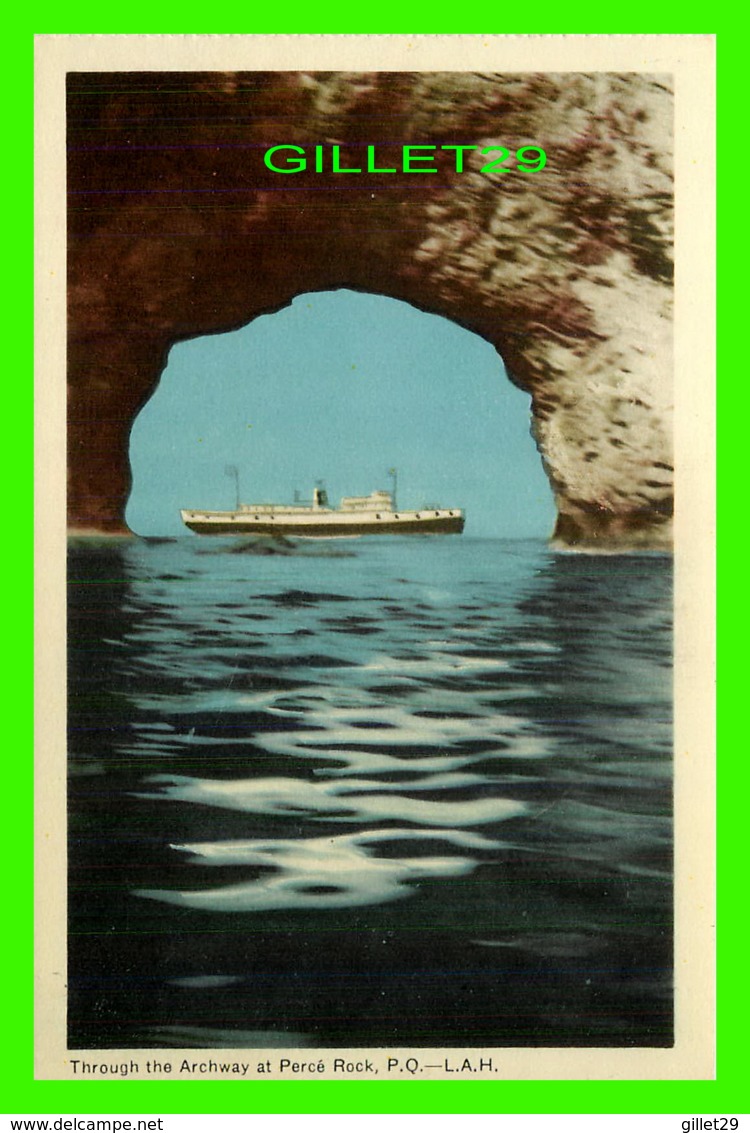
x=307 y=523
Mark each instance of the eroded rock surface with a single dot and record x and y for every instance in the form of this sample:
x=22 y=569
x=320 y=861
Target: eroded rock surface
x=178 y=229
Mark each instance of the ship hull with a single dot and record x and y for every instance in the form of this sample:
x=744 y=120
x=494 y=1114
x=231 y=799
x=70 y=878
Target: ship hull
x=330 y=526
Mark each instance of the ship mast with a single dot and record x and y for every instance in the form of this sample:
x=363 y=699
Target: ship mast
x=233 y=470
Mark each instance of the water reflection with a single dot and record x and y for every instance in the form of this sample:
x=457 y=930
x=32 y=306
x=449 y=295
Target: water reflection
x=327 y=873
x=489 y=721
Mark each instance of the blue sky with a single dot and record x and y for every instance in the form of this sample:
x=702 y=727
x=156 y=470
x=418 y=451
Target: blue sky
x=340 y=386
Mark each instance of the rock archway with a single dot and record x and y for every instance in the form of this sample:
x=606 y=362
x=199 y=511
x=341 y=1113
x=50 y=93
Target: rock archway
x=178 y=229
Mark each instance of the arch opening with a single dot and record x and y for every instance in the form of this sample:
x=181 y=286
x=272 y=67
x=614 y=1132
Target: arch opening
x=563 y=271
x=340 y=386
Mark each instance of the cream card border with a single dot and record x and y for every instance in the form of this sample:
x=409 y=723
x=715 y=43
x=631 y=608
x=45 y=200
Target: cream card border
x=691 y=60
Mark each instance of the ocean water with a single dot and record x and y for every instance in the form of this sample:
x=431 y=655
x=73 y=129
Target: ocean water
x=385 y=792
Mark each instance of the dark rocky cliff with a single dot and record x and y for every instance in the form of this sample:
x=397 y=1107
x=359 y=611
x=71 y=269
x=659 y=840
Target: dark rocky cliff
x=178 y=229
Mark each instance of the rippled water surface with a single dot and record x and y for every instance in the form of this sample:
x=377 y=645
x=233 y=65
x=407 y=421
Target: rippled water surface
x=383 y=792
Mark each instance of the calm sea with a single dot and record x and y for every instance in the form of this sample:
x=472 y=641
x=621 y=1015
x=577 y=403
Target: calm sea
x=385 y=792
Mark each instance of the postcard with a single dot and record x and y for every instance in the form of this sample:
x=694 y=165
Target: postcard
x=374 y=689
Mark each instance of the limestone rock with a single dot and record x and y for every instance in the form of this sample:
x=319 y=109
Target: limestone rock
x=178 y=229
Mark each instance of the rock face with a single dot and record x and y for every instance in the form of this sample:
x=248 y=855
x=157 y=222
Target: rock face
x=178 y=229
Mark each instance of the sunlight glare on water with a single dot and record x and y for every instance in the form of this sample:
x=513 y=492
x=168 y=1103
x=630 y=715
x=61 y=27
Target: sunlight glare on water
x=407 y=792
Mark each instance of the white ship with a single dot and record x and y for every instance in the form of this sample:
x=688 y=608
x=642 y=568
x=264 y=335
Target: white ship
x=376 y=514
